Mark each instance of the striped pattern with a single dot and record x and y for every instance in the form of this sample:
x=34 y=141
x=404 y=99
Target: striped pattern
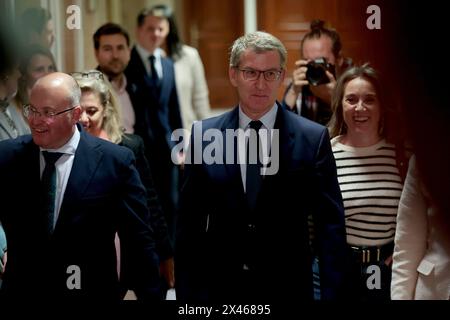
x=371 y=188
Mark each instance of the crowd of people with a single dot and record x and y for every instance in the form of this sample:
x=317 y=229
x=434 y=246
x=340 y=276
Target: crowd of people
x=93 y=153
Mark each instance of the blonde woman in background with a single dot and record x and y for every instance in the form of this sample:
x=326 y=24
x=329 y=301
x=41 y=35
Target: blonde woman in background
x=101 y=118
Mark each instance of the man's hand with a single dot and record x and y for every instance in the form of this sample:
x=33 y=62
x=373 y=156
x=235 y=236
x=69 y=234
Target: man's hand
x=167 y=270
x=299 y=76
x=325 y=91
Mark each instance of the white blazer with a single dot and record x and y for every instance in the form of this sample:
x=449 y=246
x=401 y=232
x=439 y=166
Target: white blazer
x=421 y=265
x=191 y=87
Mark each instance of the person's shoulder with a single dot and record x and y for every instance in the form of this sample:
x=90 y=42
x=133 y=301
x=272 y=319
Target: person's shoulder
x=216 y=122
x=109 y=149
x=302 y=123
x=189 y=51
x=131 y=141
x=134 y=53
x=9 y=145
x=10 y=149
x=134 y=63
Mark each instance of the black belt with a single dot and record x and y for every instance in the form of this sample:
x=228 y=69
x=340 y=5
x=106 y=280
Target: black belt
x=365 y=254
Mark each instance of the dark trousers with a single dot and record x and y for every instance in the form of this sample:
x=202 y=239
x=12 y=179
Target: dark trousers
x=371 y=278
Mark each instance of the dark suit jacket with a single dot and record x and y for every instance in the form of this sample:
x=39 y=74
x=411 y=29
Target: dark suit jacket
x=158 y=222
x=104 y=194
x=157 y=115
x=213 y=242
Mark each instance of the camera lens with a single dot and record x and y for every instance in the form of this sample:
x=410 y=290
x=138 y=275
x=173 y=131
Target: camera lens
x=315 y=74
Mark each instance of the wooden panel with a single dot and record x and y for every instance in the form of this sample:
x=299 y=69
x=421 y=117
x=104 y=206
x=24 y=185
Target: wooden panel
x=211 y=27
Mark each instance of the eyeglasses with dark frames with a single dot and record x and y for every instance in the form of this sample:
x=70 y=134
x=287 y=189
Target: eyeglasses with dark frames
x=29 y=112
x=252 y=74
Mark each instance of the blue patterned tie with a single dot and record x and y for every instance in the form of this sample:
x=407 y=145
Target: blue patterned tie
x=49 y=186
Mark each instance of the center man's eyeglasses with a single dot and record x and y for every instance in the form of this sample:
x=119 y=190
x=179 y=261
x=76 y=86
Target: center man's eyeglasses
x=251 y=74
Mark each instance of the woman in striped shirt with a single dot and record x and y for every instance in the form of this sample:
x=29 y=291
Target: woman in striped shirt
x=369 y=180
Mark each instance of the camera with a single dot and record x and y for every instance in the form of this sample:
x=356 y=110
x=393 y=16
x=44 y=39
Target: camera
x=315 y=73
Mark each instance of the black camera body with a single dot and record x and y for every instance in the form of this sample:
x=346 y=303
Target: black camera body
x=315 y=73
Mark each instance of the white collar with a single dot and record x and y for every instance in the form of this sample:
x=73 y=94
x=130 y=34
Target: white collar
x=268 y=119
x=144 y=54
x=70 y=147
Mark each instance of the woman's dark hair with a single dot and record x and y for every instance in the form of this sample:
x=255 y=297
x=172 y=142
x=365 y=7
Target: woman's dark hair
x=318 y=30
x=173 y=41
x=33 y=20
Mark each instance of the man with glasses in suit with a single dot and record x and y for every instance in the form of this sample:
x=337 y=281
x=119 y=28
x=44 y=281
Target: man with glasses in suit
x=242 y=232
x=69 y=193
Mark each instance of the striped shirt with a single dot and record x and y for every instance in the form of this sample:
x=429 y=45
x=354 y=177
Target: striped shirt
x=371 y=188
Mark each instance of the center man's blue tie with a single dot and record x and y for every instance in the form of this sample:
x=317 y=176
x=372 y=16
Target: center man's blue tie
x=49 y=187
x=253 y=179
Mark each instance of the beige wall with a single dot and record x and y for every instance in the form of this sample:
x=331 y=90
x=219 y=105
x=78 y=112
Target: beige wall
x=76 y=46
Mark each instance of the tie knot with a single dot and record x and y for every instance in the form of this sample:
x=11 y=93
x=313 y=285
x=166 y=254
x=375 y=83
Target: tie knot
x=255 y=124
x=51 y=157
x=152 y=59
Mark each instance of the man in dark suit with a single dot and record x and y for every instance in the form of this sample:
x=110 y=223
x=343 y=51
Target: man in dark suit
x=242 y=237
x=61 y=234
x=151 y=86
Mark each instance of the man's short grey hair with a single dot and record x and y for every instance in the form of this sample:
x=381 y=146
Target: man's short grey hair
x=258 y=42
x=75 y=94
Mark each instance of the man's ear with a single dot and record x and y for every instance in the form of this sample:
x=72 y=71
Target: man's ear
x=283 y=75
x=77 y=113
x=233 y=73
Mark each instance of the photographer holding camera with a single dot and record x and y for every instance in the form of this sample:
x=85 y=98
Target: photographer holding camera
x=314 y=78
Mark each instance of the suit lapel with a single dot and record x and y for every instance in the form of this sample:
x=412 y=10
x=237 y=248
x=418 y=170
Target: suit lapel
x=166 y=80
x=86 y=161
x=286 y=144
x=29 y=163
x=32 y=166
x=136 y=66
x=136 y=69
x=33 y=161
x=286 y=138
x=231 y=121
